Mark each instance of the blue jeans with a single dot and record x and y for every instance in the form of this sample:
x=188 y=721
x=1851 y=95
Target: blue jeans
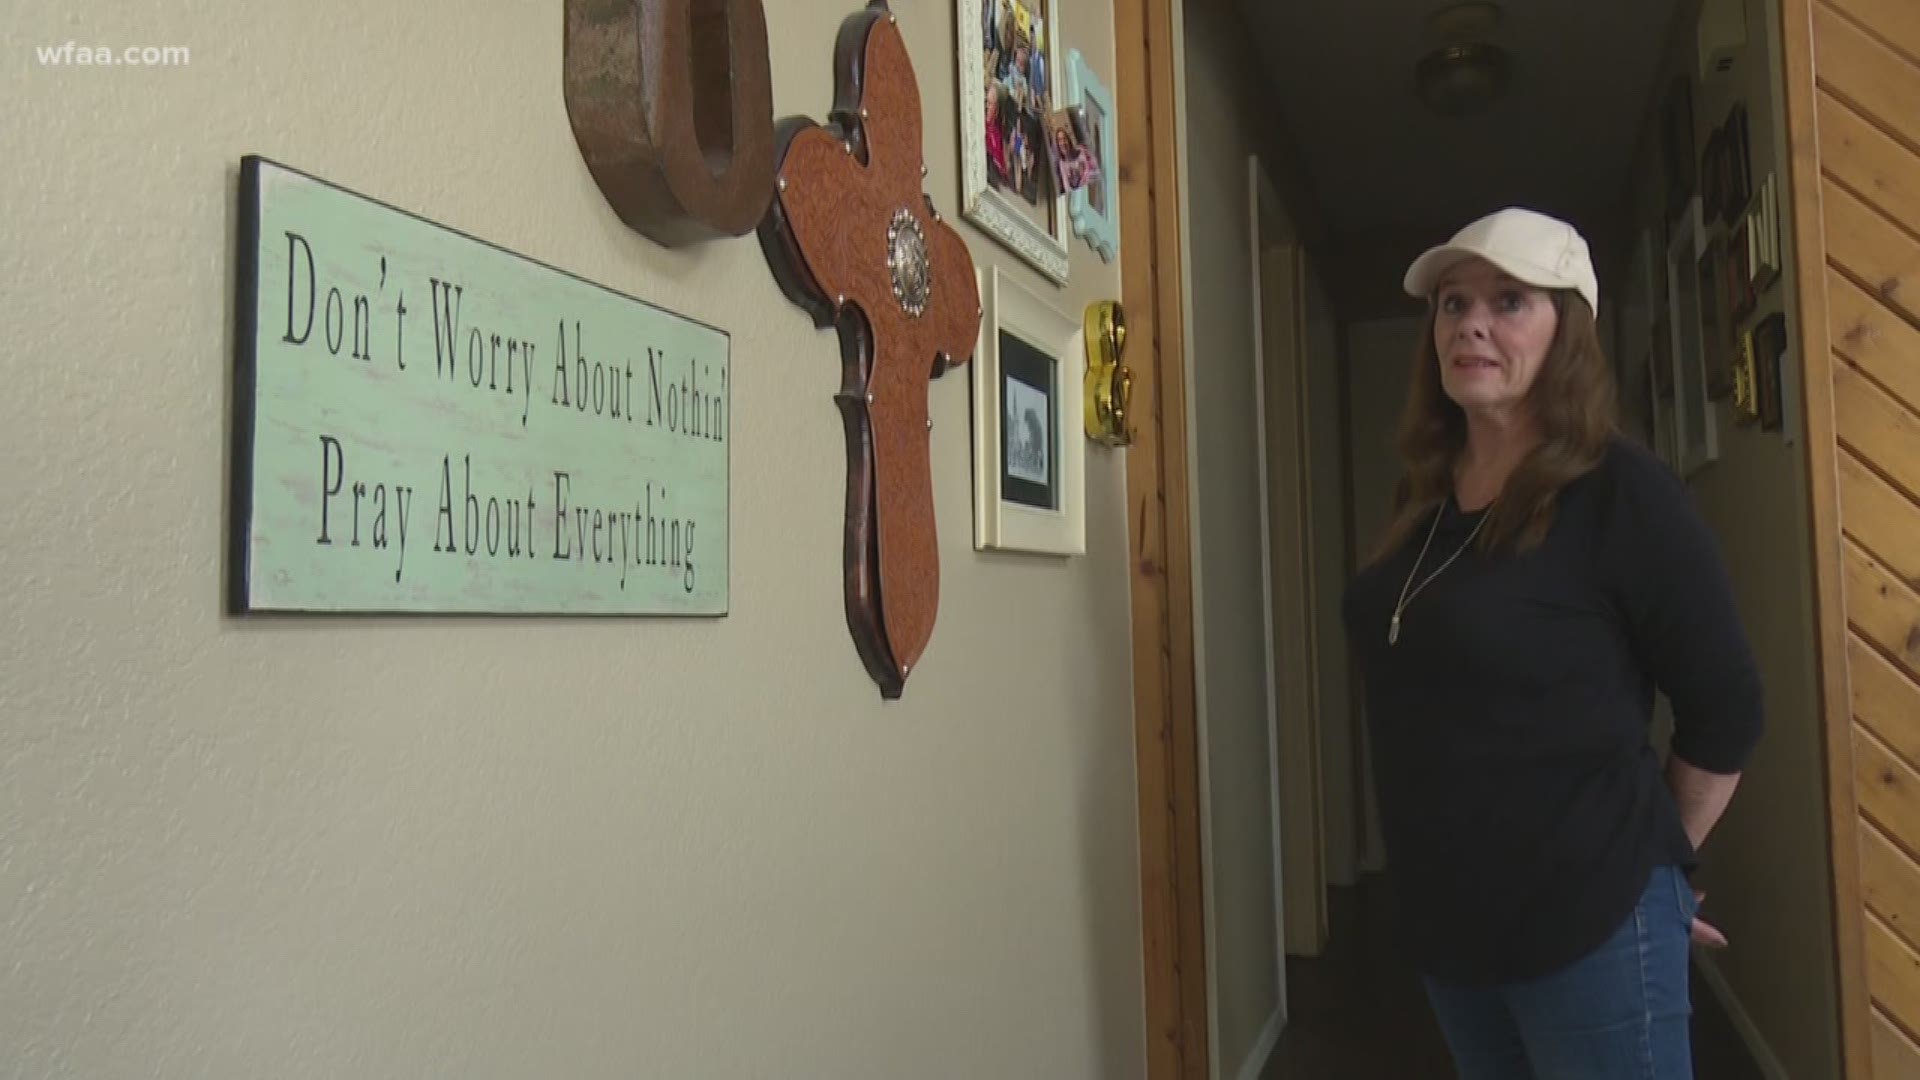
x=1622 y=1012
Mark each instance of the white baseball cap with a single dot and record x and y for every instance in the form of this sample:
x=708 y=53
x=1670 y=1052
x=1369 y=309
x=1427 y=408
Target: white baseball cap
x=1542 y=251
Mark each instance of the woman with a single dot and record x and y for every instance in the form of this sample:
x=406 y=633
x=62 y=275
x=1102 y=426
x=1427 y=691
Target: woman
x=1540 y=579
x=1072 y=164
x=996 y=137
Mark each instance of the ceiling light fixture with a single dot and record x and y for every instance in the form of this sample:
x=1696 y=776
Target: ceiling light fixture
x=1465 y=73
x=1457 y=80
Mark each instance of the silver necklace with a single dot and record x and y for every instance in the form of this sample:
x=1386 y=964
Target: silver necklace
x=1406 y=597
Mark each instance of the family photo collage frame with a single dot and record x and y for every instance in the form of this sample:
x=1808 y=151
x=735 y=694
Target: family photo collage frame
x=1038 y=147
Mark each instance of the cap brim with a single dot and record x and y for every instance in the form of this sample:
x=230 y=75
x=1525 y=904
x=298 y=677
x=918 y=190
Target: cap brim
x=1425 y=273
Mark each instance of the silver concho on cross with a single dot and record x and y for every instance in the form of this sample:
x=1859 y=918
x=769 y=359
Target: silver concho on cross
x=907 y=262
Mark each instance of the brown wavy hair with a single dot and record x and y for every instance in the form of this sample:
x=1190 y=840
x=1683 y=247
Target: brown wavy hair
x=1574 y=402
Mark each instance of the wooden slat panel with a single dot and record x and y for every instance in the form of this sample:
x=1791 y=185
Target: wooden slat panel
x=1884 y=611
x=1891 y=882
x=1870 y=248
x=1800 y=214
x=1881 y=82
x=1880 y=342
x=1893 y=974
x=1889 y=788
x=1877 y=427
x=1886 y=703
x=1898 y=21
x=1867 y=160
x=1895 y=1057
x=1808 y=162
x=1824 y=138
x=1884 y=521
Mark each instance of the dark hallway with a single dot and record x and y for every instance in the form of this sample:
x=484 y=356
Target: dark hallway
x=1359 y=1014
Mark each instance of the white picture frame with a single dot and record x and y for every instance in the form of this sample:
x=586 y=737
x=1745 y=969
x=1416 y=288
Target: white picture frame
x=1634 y=354
x=1035 y=229
x=1696 y=426
x=1662 y=440
x=1029 y=475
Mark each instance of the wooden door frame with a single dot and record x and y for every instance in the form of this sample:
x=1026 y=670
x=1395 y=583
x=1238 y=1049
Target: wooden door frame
x=1159 y=530
x=1146 y=36
x=1812 y=337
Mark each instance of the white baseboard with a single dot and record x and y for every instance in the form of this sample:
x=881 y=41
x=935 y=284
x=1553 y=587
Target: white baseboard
x=1763 y=1056
x=1256 y=1062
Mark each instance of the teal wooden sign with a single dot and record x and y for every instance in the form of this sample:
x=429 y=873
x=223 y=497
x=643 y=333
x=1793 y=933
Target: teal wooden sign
x=425 y=422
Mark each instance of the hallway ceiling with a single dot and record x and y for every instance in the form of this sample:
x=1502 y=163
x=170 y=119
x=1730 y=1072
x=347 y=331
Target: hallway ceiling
x=1379 y=162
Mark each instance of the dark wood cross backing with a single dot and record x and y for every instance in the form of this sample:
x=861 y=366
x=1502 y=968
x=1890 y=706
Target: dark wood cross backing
x=853 y=238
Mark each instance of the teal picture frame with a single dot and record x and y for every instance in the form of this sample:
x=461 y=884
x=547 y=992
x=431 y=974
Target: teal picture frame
x=1095 y=209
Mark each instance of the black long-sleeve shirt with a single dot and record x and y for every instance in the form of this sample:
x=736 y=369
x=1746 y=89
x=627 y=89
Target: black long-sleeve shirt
x=1522 y=803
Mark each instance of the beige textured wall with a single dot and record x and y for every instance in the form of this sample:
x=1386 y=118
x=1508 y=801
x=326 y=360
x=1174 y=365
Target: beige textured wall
x=1328 y=522
x=1380 y=360
x=1765 y=868
x=529 y=847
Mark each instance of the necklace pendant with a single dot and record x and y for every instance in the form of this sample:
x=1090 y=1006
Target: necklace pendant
x=1393 y=631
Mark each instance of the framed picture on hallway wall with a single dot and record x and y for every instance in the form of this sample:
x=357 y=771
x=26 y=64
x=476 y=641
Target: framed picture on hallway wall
x=1029 y=449
x=1646 y=371
x=1696 y=417
x=1660 y=386
x=1009 y=71
x=1095 y=200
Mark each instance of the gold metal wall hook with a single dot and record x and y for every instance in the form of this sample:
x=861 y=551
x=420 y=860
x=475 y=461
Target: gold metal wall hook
x=1108 y=388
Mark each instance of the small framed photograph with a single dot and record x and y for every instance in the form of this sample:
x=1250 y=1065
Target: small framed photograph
x=1769 y=346
x=1737 y=278
x=1696 y=419
x=1641 y=330
x=1095 y=202
x=1766 y=236
x=1067 y=155
x=1746 y=386
x=1661 y=410
x=1029 y=455
x=1009 y=61
x=1660 y=359
x=1665 y=439
x=1716 y=329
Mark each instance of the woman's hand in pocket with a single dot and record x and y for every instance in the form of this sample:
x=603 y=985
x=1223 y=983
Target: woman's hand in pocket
x=1703 y=932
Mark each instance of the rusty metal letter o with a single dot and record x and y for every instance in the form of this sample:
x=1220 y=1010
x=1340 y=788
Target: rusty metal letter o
x=643 y=81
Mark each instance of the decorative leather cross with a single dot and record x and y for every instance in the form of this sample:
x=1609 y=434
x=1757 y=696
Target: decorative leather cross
x=853 y=238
